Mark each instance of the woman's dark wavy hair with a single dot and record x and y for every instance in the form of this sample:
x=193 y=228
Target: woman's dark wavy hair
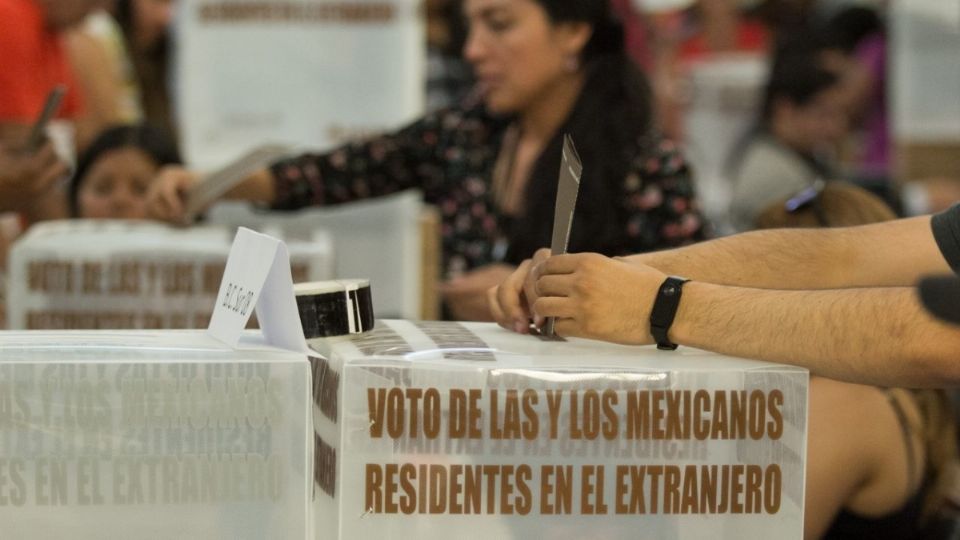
x=143 y=137
x=611 y=114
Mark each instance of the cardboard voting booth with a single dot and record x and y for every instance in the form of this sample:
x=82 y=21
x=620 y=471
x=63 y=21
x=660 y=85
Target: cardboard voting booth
x=315 y=73
x=449 y=430
x=116 y=274
x=151 y=435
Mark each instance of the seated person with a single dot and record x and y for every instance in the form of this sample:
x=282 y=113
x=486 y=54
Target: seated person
x=802 y=120
x=546 y=68
x=115 y=172
x=882 y=478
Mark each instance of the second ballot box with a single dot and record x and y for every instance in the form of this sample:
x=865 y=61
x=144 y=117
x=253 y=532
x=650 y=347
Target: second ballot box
x=152 y=435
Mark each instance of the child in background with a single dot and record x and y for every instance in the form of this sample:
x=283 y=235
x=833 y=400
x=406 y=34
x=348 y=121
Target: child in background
x=114 y=173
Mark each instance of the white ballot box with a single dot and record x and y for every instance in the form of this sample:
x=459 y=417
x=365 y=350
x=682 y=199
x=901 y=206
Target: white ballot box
x=152 y=435
x=313 y=73
x=99 y=274
x=448 y=430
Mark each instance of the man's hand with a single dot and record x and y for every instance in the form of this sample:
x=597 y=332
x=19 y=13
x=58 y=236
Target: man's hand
x=26 y=178
x=511 y=299
x=166 y=198
x=466 y=296
x=596 y=297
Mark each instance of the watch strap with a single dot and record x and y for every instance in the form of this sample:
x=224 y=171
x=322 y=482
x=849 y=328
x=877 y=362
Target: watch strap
x=665 y=311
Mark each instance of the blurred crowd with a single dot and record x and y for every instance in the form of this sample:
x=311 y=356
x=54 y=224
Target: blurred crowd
x=821 y=112
x=627 y=89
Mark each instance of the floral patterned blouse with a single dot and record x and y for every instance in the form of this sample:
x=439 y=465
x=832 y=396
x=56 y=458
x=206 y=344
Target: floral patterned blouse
x=450 y=156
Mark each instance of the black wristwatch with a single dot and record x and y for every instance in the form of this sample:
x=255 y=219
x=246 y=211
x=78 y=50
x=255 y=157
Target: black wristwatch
x=664 y=310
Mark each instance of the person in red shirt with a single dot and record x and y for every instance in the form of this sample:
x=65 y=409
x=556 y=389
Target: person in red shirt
x=34 y=62
x=35 y=59
x=723 y=28
x=709 y=30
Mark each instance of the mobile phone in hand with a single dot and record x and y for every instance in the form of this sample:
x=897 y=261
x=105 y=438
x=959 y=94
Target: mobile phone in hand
x=50 y=108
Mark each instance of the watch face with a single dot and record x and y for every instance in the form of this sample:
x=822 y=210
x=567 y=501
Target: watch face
x=941 y=297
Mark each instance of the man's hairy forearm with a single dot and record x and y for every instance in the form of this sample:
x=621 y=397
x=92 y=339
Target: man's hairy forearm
x=764 y=259
x=880 y=336
x=886 y=254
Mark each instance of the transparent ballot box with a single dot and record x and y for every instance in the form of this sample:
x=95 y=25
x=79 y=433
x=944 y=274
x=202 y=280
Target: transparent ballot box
x=449 y=430
x=152 y=435
x=106 y=275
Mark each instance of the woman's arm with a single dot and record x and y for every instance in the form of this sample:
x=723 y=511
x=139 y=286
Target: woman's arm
x=836 y=467
x=375 y=167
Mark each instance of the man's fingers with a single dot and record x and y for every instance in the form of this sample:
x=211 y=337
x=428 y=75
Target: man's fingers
x=562 y=264
x=568 y=328
x=553 y=306
x=555 y=285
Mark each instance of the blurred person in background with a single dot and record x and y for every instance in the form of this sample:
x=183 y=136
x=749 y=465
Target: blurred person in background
x=802 y=121
x=860 y=33
x=147 y=32
x=110 y=182
x=546 y=68
x=27 y=179
x=121 y=54
x=34 y=62
x=449 y=78
x=722 y=27
x=114 y=174
x=706 y=31
x=99 y=55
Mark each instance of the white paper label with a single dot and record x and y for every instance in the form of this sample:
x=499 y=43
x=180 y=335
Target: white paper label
x=257 y=277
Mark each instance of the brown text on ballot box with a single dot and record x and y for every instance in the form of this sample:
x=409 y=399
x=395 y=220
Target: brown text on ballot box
x=447 y=429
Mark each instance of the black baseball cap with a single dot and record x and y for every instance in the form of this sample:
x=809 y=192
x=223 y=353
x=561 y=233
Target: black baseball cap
x=941 y=296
